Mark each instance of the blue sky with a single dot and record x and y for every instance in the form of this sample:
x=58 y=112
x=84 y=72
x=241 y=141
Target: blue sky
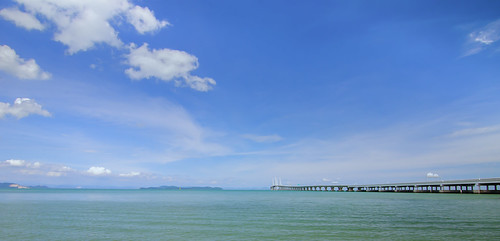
x=233 y=93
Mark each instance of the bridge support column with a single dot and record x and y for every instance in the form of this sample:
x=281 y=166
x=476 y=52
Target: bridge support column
x=476 y=189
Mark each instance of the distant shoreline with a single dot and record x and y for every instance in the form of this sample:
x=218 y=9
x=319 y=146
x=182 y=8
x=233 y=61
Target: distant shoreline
x=10 y=185
x=180 y=188
x=16 y=186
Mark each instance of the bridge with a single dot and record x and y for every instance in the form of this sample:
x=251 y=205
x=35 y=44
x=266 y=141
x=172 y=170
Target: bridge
x=478 y=186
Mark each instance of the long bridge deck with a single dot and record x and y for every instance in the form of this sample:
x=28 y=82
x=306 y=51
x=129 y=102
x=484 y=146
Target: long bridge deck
x=478 y=186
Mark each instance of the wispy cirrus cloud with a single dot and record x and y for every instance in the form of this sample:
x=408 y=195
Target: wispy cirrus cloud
x=476 y=131
x=11 y=63
x=172 y=132
x=483 y=38
x=159 y=130
x=406 y=151
x=181 y=135
x=130 y=174
x=263 y=138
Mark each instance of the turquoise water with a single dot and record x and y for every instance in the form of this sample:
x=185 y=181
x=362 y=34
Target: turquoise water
x=245 y=215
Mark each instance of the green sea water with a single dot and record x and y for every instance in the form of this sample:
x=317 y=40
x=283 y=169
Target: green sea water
x=245 y=215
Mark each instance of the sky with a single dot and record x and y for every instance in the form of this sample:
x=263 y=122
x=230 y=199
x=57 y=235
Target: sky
x=129 y=94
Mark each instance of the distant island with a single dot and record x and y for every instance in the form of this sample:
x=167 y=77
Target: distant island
x=8 y=185
x=181 y=188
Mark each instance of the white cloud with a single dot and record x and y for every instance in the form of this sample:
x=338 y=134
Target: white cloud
x=257 y=138
x=401 y=151
x=83 y=24
x=64 y=169
x=11 y=63
x=57 y=171
x=35 y=165
x=22 y=107
x=175 y=129
x=21 y=19
x=21 y=163
x=433 y=175
x=199 y=83
x=16 y=167
x=131 y=174
x=16 y=163
x=54 y=174
x=144 y=20
x=328 y=180
x=487 y=35
x=483 y=38
x=167 y=65
x=476 y=131
x=98 y=171
x=172 y=132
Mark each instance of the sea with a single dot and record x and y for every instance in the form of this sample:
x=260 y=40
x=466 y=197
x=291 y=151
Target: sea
x=80 y=214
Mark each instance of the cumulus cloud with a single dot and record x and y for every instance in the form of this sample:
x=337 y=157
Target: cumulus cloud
x=21 y=108
x=98 y=171
x=144 y=20
x=11 y=63
x=83 y=24
x=80 y=25
x=167 y=65
x=15 y=163
x=17 y=166
x=257 y=138
x=483 y=38
x=21 y=19
x=430 y=174
x=21 y=163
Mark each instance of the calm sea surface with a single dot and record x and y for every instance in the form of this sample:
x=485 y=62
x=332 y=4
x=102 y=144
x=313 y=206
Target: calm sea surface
x=245 y=215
